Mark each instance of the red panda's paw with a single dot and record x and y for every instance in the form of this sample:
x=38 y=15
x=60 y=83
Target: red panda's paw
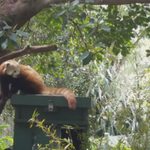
x=72 y=103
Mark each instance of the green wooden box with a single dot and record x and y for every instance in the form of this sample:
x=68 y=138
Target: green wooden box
x=54 y=109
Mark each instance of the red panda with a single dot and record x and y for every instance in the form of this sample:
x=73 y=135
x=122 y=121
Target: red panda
x=28 y=81
x=6 y=80
x=8 y=73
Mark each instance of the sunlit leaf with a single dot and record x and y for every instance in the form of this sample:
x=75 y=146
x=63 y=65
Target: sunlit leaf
x=99 y=45
x=106 y=28
x=13 y=37
x=3 y=126
x=86 y=57
x=74 y=3
x=60 y=13
x=6 y=27
x=2 y=33
x=21 y=33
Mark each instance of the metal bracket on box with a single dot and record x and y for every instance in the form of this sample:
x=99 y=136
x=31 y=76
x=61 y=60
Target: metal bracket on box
x=50 y=106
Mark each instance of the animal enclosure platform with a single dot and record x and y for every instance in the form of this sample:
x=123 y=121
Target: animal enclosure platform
x=54 y=110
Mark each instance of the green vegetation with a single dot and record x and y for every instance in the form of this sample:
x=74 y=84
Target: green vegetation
x=5 y=141
x=101 y=54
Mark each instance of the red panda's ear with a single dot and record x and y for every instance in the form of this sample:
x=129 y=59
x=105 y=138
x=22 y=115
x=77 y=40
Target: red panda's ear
x=19 y=61
x=7 y=64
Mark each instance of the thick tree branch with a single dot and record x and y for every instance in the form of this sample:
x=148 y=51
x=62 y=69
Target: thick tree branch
x=4 y=51
x=20 y=11
x=28 y=50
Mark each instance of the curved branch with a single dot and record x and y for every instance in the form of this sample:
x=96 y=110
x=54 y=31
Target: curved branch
x=4 y=51
x=28 y=50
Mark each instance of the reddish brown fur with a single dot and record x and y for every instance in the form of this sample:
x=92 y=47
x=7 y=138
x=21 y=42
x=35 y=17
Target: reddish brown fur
x=2 y=66
x=34 y=80
x=6 y=80
x=30 y=82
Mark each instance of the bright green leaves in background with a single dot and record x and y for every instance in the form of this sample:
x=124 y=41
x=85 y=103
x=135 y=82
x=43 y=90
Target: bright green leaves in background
x=5 y=141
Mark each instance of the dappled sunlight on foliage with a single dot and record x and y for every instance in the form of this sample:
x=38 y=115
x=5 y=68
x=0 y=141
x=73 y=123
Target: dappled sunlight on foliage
x=101 y=55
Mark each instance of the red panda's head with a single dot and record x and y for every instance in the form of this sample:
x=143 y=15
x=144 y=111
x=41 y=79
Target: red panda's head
x=11 y=67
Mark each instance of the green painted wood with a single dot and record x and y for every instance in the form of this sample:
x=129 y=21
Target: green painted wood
x=43 y=100
x=26 y=138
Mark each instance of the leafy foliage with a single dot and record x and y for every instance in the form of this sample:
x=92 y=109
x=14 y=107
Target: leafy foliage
x=55 y=142
x=9 y=36
x=5 y=141
x=104 y=35
x=85 y=28
x=100 y=38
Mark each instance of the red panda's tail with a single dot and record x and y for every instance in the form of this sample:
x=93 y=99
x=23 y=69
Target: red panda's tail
x=68 y=94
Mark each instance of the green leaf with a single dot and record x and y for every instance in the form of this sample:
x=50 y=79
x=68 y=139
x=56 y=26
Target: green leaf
x=99 y=45
x=91 y=32
x=125 y=51
x=92 y=20
x=15 y=44
x=11 y=46
x=83 y=16
x=3 y=126
x=86 y=57
x=116 y=50
x=2 y=33
x=60 y=13
x=64 y=23
x=6 y=27
x=147 y=52
x=91 y=6
x=4 y=44
x=83 y=56
x=99 y=57
x=89 y=1
x=13 y=37
x=105 y=28
x=21 y=33
x=74 y=3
